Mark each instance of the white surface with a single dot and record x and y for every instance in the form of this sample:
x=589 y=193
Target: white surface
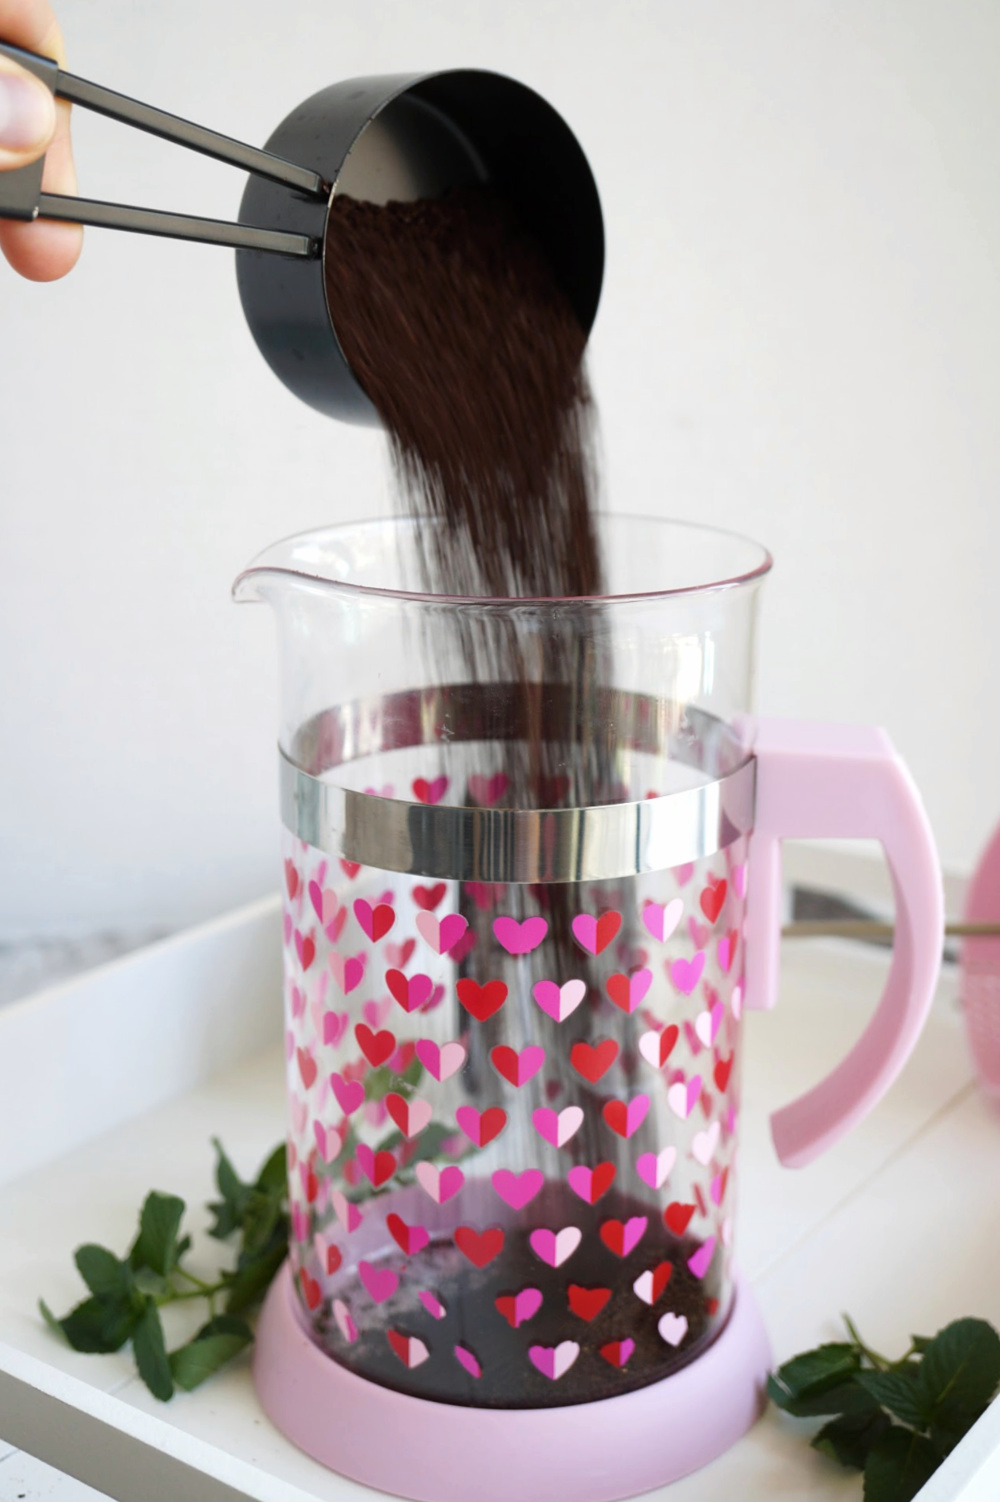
x=798 y=337
x=898 y=1225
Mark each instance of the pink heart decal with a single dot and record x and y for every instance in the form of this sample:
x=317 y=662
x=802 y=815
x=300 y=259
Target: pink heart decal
x=628 y=991
x=673 y=1328
x=347 y=1213
x=654 y=1168
x=334 y=1027
x=432 y=1304
x=520 y=938
x=553 y=1247
x=299 y=1111
x=300 y=1223
x=595 y=934
x=707 y=1024
x=703 y=1144
x=375 y=1012
x=486 y=791
x=400 y=955
x=465 y=1358
x=329 y=1140
x=380 y=1282
x=442 y=1184
x=702 y=1259
x=554 y=1361
x=412 y=992
x=442 y=934
x=286 y=926
x=684 y=873
x=740 y=880
x=375 y=921
x=559 y=1002
x=519 y=1307
x=726 y=950
x=558 y=1129
x=297 y=1001
x=442 y=1062
x=350 y=1094
x=517 y=1068
x=429 y=792
x=481 y=1126
x=624 y=1238
x=411 y=1351
x=686 y=974
x=626 y=1119
x=347 y=973
x=305 y=948
x=518 y=1189
x=345 y=1324
x=325 y=902
x=289 y=1044
x=660 y=919
x=683 y=1096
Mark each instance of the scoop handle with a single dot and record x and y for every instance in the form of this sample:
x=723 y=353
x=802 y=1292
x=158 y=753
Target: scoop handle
x=817 y=781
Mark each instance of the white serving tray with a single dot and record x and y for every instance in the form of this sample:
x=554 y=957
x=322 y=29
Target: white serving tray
x=112 y=1084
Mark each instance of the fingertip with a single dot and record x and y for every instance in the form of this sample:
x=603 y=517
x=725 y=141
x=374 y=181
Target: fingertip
x=43 y=251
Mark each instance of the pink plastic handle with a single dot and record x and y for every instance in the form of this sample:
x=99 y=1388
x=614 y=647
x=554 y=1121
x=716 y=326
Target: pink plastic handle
x=819 y=781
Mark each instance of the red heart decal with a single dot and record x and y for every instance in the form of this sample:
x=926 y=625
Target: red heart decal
x=307 y=1067
x=306 y=947
x=481 y=1001
x=376 y=1047
x=311 y=1291
x=350 y=868
x=713 y=897
x=723 y=1069
x=481 y=1126
x=409 y=1239
x=587 y=1302
x=375 y=921
x=408 y=1348
x=665 y=1043
x=429 y=897
x=620 y=1237
x=678 y=1217
x=310 y=1183
x=591 y=1183
x=618 y=1352
x=594 y=1061
x=654 y=1282
x=517 y=1068
x=429 y=792
x=291 y=879
x=378 y=1167
x=479 y=1246
x=711 y=1307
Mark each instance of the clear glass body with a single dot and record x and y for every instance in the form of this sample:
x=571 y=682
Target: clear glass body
x=513 y=1105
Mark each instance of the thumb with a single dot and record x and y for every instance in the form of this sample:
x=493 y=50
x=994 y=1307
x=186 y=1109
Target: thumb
x=27 y=116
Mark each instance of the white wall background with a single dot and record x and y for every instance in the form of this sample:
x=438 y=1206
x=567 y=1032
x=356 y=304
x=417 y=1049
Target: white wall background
x=799 y=337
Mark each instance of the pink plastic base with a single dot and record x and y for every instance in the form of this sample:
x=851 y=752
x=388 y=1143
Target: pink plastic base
x=440 y=1452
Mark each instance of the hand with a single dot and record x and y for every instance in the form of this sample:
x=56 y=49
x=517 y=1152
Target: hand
x=32 y=122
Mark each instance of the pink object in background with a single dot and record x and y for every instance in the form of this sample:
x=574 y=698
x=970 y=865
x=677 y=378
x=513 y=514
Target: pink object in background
x=980 y=968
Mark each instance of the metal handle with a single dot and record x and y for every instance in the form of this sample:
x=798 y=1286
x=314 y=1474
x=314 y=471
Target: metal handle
x=21 y=195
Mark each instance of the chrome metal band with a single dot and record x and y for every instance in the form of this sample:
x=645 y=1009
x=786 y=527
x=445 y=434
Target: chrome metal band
x=515 y=845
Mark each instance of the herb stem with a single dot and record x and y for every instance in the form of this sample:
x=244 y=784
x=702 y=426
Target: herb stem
x=880 y=1363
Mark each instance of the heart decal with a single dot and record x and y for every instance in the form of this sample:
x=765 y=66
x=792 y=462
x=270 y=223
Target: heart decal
x=623 y=1238
x=703 y=1144
x=334 y=1027
x=375 y=921
x=347 y=1213
x=308 y=1068
x=350 y=868
x=380 y=1282
x=291 y=879
x=305 y=948
x=626 y=1119
x=554 y=1361
x=718 y=1187
x=485 y=894
x=739 y=875
x=376 y=1047
x=660 y=919
x=400 y=955
x=409 y=1239
x=587 y=1303
x=595 y=934
x=518 y=1308
x=678 y=1217
x=686 y=974
x=411 y=1351
x=553 y=1247
x=707 y=1024
x=628 y=991
x=311 y=1291
x=673 y=1328
x=517 y=1068
x=429 y=792
x=618 y=1352
x=411 y=1116
x=465 y=1358
x=480 y=1247
x=348 y=973
x=428 y=898
x=557 y=1128
x=345 y=1324
x=481 y=1127
x=654 y=1168
x=329 y=1140
x=712 y=898
x=723 y=1069
x=481 y=1001
x=432 y=1304
x=442 y=934
x=518 y=1189
x=726 y=950
x=656 y=1048
x=520 y=938
x=441 y=1184
x=330 y=1256
x=702 y=1259
x=411 y=992
x=649 y=1285
x=377 y=1167
x=349 y=1093
x=559 y=1002
x=682 y=1097
x=591 y=1183
x=487 y=791
x=440 y=1061
x=592 y=1061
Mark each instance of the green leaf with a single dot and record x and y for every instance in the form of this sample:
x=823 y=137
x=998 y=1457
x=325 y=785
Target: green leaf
x=159 y=1222
x=248 y=1284
x=106 y=1275
x=215 y=1344
x=260 y=1218
x=93 y=1326
x=150 y=1353
x=960 y=1369
x=899 y=1392
x=947 y=1429
x=920 y=1343
x=847 y=1397
x=850 y=1437
x=813 y=1371
x=229 y=1211
x=273 y=1177
x=898 y=1465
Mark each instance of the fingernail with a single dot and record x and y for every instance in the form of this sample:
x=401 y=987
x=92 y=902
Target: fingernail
x=27 y=112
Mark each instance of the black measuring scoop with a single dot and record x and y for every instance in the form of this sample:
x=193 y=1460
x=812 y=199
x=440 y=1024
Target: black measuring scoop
x=397 y=136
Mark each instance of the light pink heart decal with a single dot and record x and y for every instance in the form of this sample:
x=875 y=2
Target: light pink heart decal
x=347 y=1213
x=682 y=1097
x=684 y=873
x=559 y=1002
x=703 y=1144
x=554 y=1247
x=375 y=1012
x=345 y=1323
x=673 y=1328
x=442 y=934
x=411 y=1351
x=520 y=938
x=660 y=919
x=441 y=1061
x=350 y=1094
x=442 y=1184
x=518 y=1189
x=297 y=1001
x=347 y=973
x=736 y=1001
x=286 y=926
x=380 y=1282
x=654 y=1168
x=334 y=1027
x=432 y=1304
x=329 y=1140
x=325 y=902
x=707 y=1024
x=299 y=1112
x=487 y=791
x=554 y=1361
x=686 y=974
x=558 y=1129
x=702 y=1259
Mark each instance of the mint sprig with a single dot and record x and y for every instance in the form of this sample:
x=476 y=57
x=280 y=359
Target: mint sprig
x=894 y=1420
x=127 y=1293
